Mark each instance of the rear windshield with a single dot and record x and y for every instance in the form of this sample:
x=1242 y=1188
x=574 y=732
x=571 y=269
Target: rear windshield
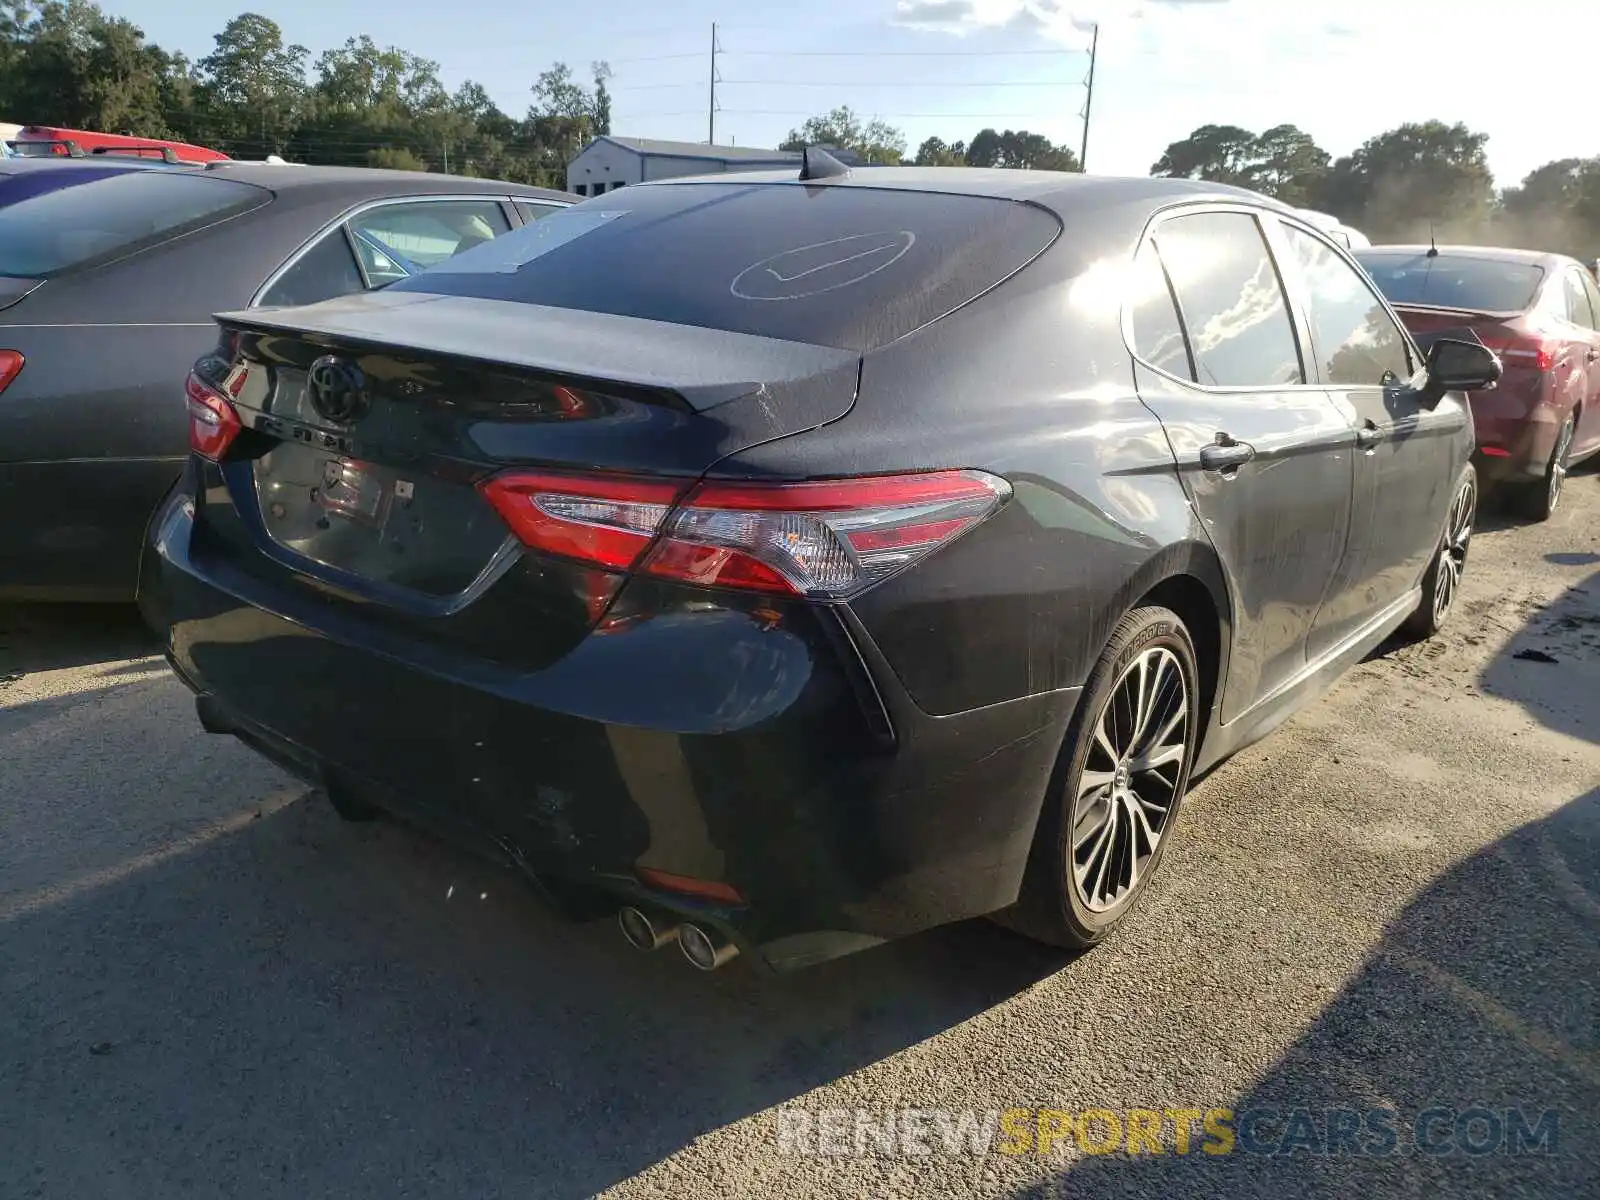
x=91 y=217
x=850 y=267
x=1454 y=281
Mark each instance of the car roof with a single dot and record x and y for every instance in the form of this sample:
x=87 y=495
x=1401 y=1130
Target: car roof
x=100 y=162
x=1061 y=191
x=287 y=178
x=1533 y=258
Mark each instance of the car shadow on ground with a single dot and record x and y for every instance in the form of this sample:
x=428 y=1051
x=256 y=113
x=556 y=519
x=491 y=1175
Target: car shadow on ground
x=1490 y=977
x=50 y=637
x=281 y=997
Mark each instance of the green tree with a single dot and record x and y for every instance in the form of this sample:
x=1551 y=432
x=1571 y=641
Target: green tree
x=255 y=86
x=876 y=141
x=1219 y=153
x=1287 y=164
x=935 y=153
x=68 y=63
x=1414 y=181
x=1020 y=150
x=565 y=117
x=1556 y=207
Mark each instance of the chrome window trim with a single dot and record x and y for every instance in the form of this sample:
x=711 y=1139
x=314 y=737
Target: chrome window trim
x=363 y=206
x=1296 y=317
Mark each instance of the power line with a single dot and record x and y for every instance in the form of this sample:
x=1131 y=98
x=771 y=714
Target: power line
x=650 y=58
x=856 y=83
x=899 y=53
x=899 y=116
x=652 y=87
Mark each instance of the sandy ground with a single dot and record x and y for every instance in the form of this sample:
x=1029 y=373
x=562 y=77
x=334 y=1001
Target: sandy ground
x=209 y=986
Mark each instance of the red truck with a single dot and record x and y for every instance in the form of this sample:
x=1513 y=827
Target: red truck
x=34 y=140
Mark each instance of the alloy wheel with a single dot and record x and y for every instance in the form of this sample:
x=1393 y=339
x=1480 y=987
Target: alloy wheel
x=1453 y=551
x=1558 y=465
x=1128 y=786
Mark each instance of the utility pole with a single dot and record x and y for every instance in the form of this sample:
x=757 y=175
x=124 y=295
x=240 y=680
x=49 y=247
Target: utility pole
x=711 y=121
x=1088 y=100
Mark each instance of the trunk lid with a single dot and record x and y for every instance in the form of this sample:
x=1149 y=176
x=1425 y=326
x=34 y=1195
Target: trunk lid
x=370 y=422
x=1428 y=323
x=1514 y=336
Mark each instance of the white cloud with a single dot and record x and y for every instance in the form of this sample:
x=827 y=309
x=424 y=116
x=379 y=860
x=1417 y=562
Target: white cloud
x=1049 y=19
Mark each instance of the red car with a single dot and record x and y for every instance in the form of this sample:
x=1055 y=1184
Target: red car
x=1541 y=314
x=34 y=140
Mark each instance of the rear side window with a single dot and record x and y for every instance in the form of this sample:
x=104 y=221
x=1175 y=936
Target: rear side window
x=112 y=216
x=326 y=270
x=1453 y=281
x=1578 y=310
x=1157 y=331
x=1592 y=292
x=533 y=210
x=1232 y=301
x=851 y=267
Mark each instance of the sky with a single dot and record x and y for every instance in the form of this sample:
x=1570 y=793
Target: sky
x=1342 y=70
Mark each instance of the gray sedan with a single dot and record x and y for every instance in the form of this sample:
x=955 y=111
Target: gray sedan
x=109 y=274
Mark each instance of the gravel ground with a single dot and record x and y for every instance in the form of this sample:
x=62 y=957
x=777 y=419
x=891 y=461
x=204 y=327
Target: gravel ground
x=212 y=987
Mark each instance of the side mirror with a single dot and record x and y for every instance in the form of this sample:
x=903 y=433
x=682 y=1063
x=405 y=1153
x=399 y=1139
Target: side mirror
x=1457 y=365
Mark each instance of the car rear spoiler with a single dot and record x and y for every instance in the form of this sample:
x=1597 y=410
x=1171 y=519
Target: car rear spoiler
x=1476 y=314
x=706 y=367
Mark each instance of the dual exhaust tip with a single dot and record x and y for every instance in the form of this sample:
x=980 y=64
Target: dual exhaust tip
x=705 y=950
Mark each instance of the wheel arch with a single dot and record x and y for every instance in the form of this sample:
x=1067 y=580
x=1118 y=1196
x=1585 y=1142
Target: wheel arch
x=1188 y=579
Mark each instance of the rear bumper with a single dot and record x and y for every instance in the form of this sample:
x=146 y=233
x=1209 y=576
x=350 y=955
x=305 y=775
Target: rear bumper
x=781 y=758
x=71 y=530
x=1516 y=427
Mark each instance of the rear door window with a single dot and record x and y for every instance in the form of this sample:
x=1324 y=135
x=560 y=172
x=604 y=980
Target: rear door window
x=386 y=244
x=395 y=241
x=106 y=217
x=845 y=266
x=1231 y=299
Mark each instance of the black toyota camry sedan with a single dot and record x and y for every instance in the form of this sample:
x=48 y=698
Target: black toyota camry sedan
x=110 y=271
x=786 y=565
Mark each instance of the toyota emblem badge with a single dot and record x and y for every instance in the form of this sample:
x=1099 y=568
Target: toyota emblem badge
x=338 y=390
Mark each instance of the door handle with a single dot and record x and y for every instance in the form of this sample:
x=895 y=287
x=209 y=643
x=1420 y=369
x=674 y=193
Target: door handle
x=1225 y=454
x=1369 y=435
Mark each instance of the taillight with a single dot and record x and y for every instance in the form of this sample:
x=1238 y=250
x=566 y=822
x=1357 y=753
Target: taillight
x=826 y=539
x=602 y=520
x=213 y=423
x=1536 y=353
x=10 y=367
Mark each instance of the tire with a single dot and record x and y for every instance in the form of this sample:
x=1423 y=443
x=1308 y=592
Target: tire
x=1441 y=585
x=1539 y=500
x=1076 y=898
x=350 y=808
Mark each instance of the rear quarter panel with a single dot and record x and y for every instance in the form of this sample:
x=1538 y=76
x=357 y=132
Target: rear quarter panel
x=1031 y=382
